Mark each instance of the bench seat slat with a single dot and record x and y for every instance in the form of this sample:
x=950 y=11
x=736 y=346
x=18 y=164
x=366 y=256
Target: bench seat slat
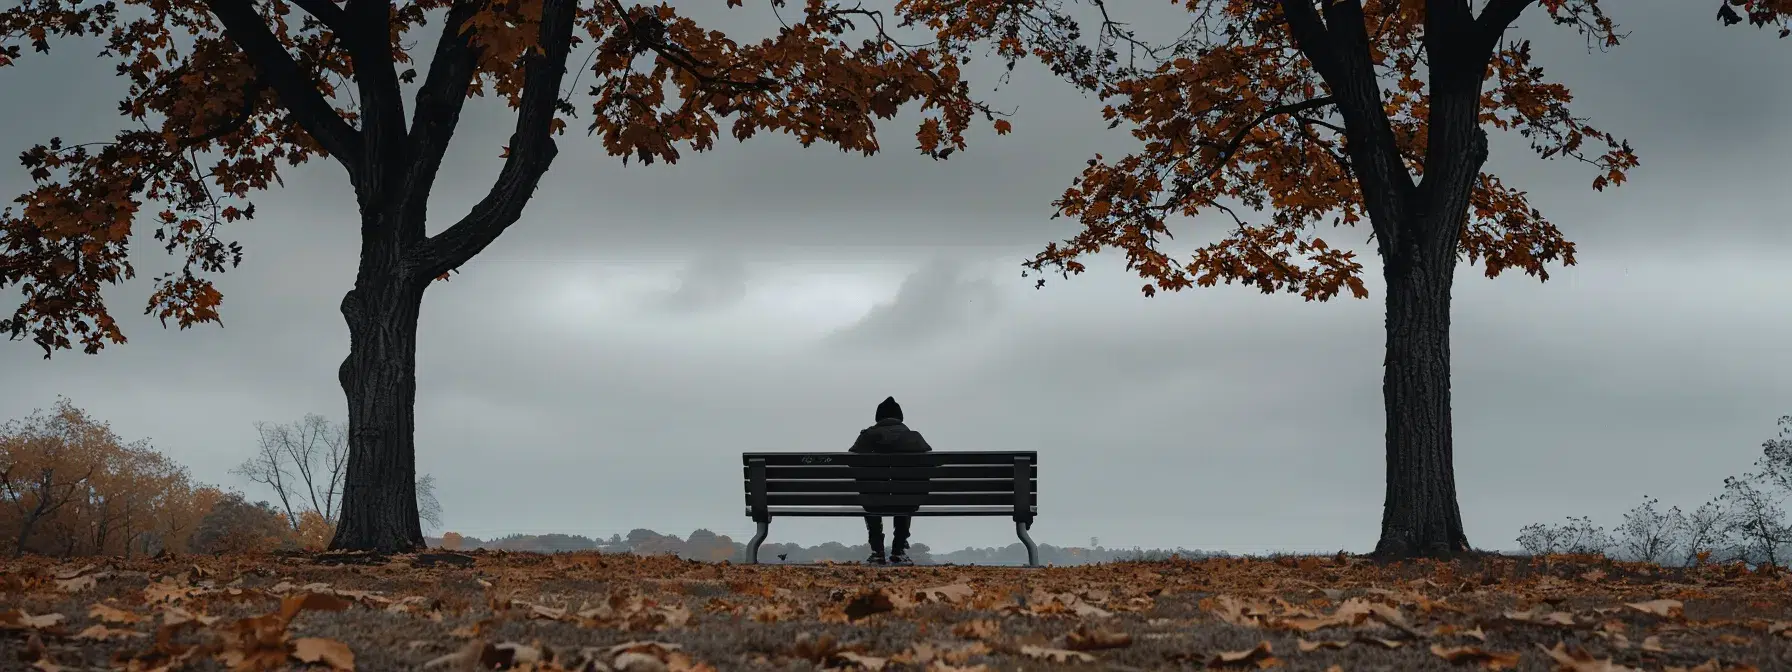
x=837 y=511
x=897 y=499
x=886 y=459
x=838 y=473
x=1002 y=485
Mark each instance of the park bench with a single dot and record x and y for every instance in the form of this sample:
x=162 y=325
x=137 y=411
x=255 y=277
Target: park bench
x=934 y=484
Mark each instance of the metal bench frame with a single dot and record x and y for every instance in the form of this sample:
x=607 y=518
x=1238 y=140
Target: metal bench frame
x=970 y=483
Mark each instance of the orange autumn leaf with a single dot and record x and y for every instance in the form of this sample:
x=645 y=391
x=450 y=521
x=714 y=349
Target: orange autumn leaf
x=329 y=652
x=1491 y=660
x=1086 y=638
x=1574 y=659
x=1260 y=656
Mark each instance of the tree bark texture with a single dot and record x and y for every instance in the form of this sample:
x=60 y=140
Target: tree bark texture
x=1420 y=516
x=379 y=377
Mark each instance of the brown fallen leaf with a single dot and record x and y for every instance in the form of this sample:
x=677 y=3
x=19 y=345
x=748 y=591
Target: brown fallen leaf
x=1055 y=655
x=1306 y=646
x=1491 y=660
x=1712 y=665
x=329 y=652
x=470 y=630
x=546 y=613
x=19 y=619
x=1259 y=656
x=169 y=590
x=1087 y=610
x=77 y=584
x=1545 y=618
x=1734 y=640
x=918 y=653
x=1664 y=608
x=111 y=614
x=1448 y=629
x=1235 y=611
x=102 y=633
x=1576 y=659
x=922 y=653
x=978 y=629
x=850 y=660
x=868 y=603
x=950 y=594
x=1652 y=644
x=291 y=605
x=69 y=573
x=1083 y=638
x=938 y=666
x=176 y=616
x=257 y=642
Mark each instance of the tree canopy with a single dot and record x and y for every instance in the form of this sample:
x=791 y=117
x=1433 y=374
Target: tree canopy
x=1244 y=117
x=224 y=95
x=1274 y=118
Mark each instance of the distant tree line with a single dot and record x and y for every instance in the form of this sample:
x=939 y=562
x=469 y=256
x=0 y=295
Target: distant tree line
x=711 y=547
x=1746 y=522
x=70 y=486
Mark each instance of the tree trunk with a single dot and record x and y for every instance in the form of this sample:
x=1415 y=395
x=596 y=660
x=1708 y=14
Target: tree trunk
x=25 y=529
x=1420 y=516
x=379 y=495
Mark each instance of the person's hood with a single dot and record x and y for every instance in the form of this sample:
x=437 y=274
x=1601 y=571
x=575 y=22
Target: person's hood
x=889 y=409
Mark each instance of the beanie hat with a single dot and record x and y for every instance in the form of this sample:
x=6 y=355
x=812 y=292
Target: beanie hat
x=889 y=409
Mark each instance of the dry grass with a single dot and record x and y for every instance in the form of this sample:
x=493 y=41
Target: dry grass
x=571 y=611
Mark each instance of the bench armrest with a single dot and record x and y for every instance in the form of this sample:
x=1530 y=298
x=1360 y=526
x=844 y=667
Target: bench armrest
x=756 y=489
x=1023 y=490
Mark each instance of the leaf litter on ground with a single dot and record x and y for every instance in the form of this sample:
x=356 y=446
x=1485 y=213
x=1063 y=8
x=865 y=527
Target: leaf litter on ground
x=586 y=611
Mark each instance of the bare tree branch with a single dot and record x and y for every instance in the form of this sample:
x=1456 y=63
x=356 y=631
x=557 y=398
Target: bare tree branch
x=268 y=467
x=429 y=509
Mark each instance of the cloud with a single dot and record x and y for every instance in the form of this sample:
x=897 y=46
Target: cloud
x=712 y=281
x=946 y=297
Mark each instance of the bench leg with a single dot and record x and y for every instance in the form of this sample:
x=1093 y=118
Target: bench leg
x=753 y=546
x=1025 y=540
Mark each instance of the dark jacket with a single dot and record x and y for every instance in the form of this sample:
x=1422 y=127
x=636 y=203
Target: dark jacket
x=890 y=436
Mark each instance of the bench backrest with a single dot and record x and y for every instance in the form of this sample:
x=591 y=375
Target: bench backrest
x=971 y=482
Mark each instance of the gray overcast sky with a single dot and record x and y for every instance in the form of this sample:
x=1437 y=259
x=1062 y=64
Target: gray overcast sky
x=603 y=364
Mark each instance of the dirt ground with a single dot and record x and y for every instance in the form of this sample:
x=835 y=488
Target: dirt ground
x=584 y=611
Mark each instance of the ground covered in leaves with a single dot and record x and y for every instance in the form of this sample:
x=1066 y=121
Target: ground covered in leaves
x=445 y=611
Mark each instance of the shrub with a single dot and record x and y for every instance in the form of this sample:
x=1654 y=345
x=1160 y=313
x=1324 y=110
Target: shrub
x=235 y=525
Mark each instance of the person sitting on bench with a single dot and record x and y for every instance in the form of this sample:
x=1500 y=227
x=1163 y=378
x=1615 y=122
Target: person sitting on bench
x=889 y=435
